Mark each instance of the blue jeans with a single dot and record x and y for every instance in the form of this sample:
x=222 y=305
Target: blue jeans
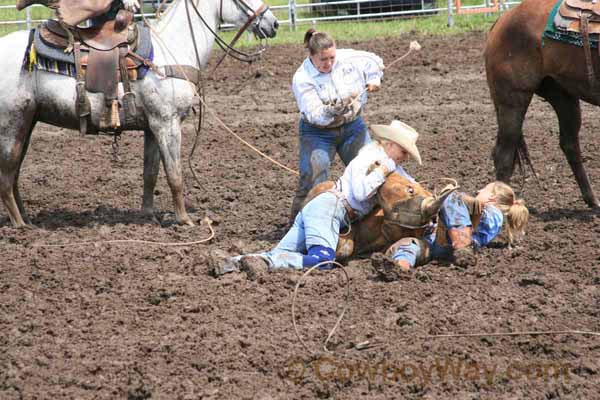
x=318 y=223
x=455 y=214
x=318 y=147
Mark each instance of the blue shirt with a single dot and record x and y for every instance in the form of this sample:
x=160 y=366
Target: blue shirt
x=349 y=76
x=489 y=226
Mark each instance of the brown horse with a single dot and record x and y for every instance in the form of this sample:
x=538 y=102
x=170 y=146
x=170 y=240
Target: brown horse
x=404 y=209
x=517 y=67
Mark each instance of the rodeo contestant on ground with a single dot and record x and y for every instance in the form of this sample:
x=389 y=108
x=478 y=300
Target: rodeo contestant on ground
x=314 y=236
x=330 y=91
x=466 y=224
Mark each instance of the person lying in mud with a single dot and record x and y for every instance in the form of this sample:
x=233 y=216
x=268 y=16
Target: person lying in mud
x=314 y=235
x=465 y=225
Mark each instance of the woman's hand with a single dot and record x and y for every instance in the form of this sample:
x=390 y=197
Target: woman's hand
x=385 y=166
x=131 y=5
x=372 y=88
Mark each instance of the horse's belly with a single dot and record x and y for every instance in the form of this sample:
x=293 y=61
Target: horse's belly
x=56 y=99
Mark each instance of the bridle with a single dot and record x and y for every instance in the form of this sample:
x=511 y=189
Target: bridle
x=254 y=16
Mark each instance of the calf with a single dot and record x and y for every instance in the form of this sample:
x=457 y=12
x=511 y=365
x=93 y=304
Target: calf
x=404 y=209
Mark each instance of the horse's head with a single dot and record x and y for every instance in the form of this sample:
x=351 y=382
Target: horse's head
x=253 y=12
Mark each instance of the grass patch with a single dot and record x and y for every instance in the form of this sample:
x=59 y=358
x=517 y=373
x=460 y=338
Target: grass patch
x=11 y=14
x=366 y=30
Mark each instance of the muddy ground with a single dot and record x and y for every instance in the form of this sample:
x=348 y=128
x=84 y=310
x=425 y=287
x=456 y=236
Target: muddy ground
x=141 y=321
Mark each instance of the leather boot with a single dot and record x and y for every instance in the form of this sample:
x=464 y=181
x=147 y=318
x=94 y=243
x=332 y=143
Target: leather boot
x=21 y=4
x=462 y=246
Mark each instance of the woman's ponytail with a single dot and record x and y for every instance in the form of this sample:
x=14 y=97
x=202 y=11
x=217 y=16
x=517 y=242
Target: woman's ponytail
x=515 y=211
x=316 y=41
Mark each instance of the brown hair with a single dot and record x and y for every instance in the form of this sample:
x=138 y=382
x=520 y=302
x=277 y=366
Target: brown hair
x=316 y=41
x=514 y=210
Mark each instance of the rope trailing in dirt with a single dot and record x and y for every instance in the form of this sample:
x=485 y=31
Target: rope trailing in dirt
x=206 y=221
x=525 y=333
x=339 y=320
x=214 y=115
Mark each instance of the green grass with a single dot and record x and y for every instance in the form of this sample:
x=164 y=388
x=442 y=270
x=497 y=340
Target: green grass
x=352 y=30
x=12 y=14
x=365 y=30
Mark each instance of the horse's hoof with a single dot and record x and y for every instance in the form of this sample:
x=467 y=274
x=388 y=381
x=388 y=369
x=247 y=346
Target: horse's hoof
x=186 y=221
x=26 y=227
x=152 y=216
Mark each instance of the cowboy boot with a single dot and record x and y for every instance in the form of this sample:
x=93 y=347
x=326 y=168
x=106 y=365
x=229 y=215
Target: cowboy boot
x=389 y=270
x=255 y=267
x=21 y=4
x=462 y=246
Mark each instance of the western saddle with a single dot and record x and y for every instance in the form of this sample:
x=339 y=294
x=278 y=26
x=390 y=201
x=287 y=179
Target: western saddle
x=582 y=17
x=103 y=56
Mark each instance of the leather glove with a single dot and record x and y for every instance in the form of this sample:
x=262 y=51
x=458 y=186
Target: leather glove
x=336 y=107
x=131 y=5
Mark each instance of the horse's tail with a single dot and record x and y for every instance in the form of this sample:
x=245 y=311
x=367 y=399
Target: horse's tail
x=523 y=161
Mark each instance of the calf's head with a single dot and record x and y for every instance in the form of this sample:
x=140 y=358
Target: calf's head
x=406 y=208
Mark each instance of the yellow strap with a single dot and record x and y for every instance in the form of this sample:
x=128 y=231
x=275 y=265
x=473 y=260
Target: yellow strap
x=32 y=57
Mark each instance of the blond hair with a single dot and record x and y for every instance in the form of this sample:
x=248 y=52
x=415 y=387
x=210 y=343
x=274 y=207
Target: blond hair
x=513 y=209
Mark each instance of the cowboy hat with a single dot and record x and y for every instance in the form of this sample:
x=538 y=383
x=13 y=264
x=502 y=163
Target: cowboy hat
x=401 y=134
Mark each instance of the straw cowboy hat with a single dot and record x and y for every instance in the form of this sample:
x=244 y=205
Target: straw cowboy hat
x=401 y=134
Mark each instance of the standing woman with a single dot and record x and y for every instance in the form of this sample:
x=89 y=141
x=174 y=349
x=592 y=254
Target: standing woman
x=330 y=91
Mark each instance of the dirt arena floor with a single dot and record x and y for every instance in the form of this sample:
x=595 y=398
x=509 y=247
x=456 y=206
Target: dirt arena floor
x=92 y=320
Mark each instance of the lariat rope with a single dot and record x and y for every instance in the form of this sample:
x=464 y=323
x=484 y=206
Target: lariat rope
x=339 y=320
x=414 y=46
x=205 y=221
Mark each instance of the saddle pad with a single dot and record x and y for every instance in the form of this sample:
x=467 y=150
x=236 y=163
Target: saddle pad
x=48 y=52
x=556 y=29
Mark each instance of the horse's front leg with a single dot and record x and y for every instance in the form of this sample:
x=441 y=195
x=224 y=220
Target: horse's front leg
x=151 y=166
x=167 y=134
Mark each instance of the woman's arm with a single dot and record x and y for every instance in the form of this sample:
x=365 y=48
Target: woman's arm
x=364 y=182
x=369 y=63
x=310 y=104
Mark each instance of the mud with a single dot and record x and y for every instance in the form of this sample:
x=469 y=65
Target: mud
x=137 y=321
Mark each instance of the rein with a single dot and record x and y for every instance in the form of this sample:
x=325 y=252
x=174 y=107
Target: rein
x=228 y=48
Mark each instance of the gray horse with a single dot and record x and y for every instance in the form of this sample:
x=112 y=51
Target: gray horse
x=29 y=97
